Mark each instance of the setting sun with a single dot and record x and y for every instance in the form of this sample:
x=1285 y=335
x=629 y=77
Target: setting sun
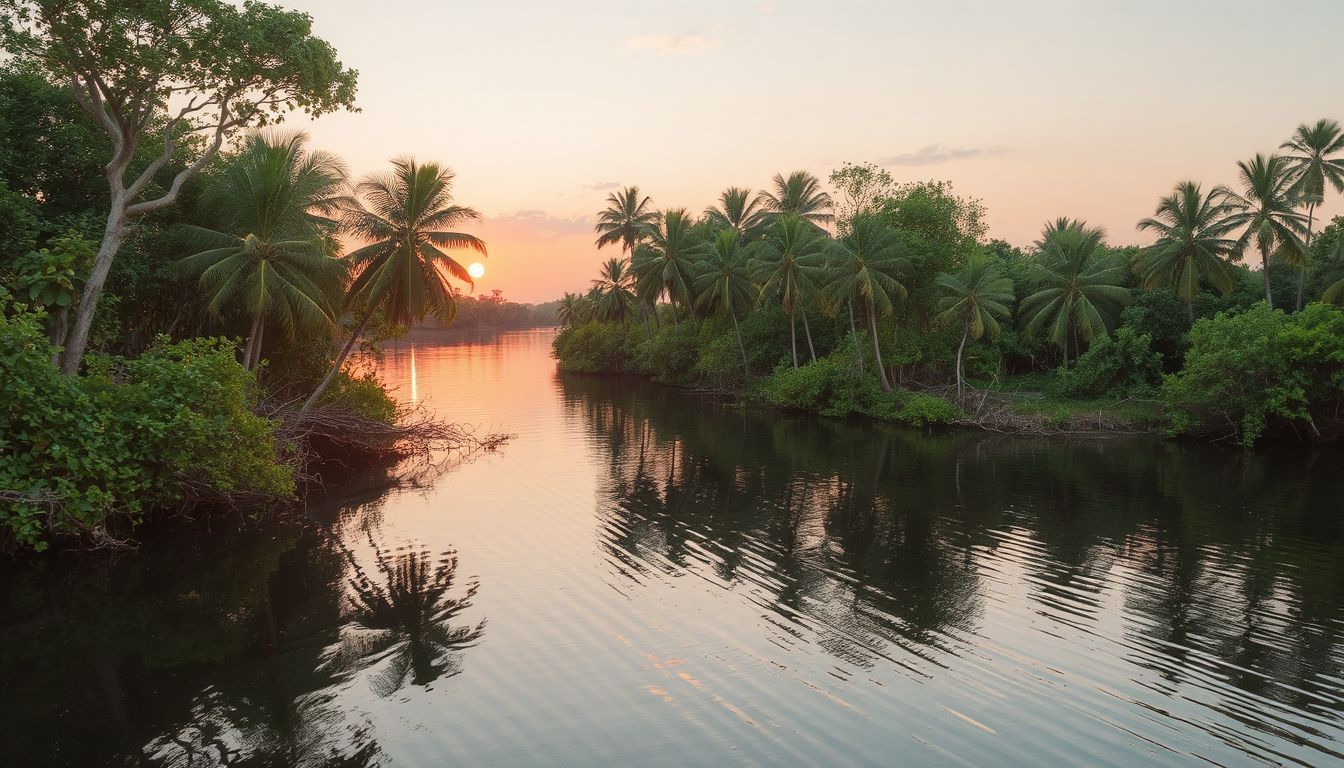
x=476 y=270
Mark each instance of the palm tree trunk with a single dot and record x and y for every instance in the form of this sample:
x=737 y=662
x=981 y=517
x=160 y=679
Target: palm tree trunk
x=960 y=347
x=793 y=340
x=340 y=361
x=811 y=350
x=256 y=351
x=1190 y=312
x=877 y=351
x=1264 y=267
x=676 y=324
x=1302 y=274
x=251 y=342
x=740 y=347
x=854 y=337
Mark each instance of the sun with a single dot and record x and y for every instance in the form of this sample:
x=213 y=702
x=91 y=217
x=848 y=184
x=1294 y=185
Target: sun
x=476 y=270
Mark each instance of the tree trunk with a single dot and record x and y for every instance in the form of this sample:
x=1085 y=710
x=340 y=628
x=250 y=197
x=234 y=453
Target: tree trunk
x=340 y=361
x=1190 y=312
x=256 y=351
x=854 y=337
x=812 y=351
x=960 y=347
x=1302 y=274
x=1264 y=267
x=740 y=347
x=877 y=351
x=793 y=340
x=58 y=334
x=251 y=342
x=113 y=236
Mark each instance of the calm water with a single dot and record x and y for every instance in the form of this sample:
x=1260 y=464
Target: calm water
x=647 y=577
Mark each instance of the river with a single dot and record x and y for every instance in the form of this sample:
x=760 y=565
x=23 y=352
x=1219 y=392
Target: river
x=647 y=576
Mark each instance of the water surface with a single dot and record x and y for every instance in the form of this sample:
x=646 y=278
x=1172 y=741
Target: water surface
x=645 y=576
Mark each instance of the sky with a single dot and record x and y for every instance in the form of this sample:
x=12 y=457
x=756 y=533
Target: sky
x=1039 y=108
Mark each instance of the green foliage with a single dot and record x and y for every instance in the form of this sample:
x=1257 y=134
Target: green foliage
x=832 y=387
x=593 y=347
x=670 y=354
x=79 y=453
x=1117 y=366
x=924 y=410
x=51 y=277
x=364 y=395
x=1247 y=373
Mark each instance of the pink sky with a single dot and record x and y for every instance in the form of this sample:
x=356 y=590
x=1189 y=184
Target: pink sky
x=1039 y=108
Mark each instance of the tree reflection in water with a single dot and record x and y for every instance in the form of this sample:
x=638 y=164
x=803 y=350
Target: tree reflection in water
x=399 y=622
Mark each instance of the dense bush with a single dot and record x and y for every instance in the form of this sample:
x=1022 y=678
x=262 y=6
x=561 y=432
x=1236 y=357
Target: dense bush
x=1249 y=373
x=363 y=394
x=670 y=354
x=593 y=348
x=79 y=453
x=833 y=387
x=1123 y=365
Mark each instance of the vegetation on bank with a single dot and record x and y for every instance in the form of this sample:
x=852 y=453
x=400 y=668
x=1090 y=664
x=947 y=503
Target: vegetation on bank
x=886 y=301
x=177 y=312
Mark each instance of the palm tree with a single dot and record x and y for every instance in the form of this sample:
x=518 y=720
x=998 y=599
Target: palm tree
x=740 y=211
x=1265 y=208
x=723 y=281
x=977 y=298
x=664 y=263
x=404 y=270
x=788 y=264
x=614 y=289
x=627 y=221
x=1317 y=159
x=1334 y=293
x=866 y=267
x=1081 y=285
x=800 y=193
x=273 y=253
x=1191 y=243
x=574 y=310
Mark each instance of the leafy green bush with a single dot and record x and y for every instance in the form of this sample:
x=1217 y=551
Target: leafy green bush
x=1118 y=366
x=923 y=410
x=77 y=453
x=669 y=355
x=364 y=394
x=1248 y=372
x=814 y=388
x=594 y=347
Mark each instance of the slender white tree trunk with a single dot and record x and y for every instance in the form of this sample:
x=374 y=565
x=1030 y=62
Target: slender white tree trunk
x=114 y=234
x=877 y=352
x=1264 y=267
x=960 y=347
x=251 y=342
x=808 y=333
x=793 y=341
x=1302 y=275
x=740 y=347
x=340 y=361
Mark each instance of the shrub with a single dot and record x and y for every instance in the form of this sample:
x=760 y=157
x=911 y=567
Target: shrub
x=922 y=410
x=78 y=453
x=669 y=356
x=364 y=395
x=1119 y=366
x=814 y=387
x=1247 y=372
x=594 y=347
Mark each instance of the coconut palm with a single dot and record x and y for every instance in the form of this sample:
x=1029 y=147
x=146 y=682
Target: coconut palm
x=404 y=270
x=1317 y=160
x=273 y=251
x=575 y=309
x=723 y=281
x=977 y=298
x=738 y=210
x=627 y=220
x=615 y=290
x=1192 y=243
x=789 y=263
x=1266 y=210
x=866 y=266
x=1334 y=293
x=664 y=263
x=1081 y=285
x=800 y=193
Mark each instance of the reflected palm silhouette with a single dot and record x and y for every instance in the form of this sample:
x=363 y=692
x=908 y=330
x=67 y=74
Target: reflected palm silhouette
x=400 y=620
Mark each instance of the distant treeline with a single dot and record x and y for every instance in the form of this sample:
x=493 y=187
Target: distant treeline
x=495 y=311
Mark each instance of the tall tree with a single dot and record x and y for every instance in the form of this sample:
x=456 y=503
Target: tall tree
x=1265 y=210
x=575 y=309
x=1081 y=285
x=800 y=193
x=739 y=210
x=615 y=290
x=273 y=249
x=861 y=186
x=866 y=267
x=1192 y=243
x=191 y=71
x=789 y=263
x=403 y=272
x=723 y=282
x=1317 y=158
x=977 y=297
x=665 y=262
x=626 y=221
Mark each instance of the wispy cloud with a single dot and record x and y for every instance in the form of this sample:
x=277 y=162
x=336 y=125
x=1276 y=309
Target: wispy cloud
x=602 y=186
x=671 y=44
x=936 y=154
x=534 y=226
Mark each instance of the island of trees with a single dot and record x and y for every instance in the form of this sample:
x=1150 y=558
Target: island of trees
x=885 y=300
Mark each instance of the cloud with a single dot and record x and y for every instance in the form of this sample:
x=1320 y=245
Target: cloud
x=936 y=154
x=671 y=44
x=533 y=226
x=602 y=186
